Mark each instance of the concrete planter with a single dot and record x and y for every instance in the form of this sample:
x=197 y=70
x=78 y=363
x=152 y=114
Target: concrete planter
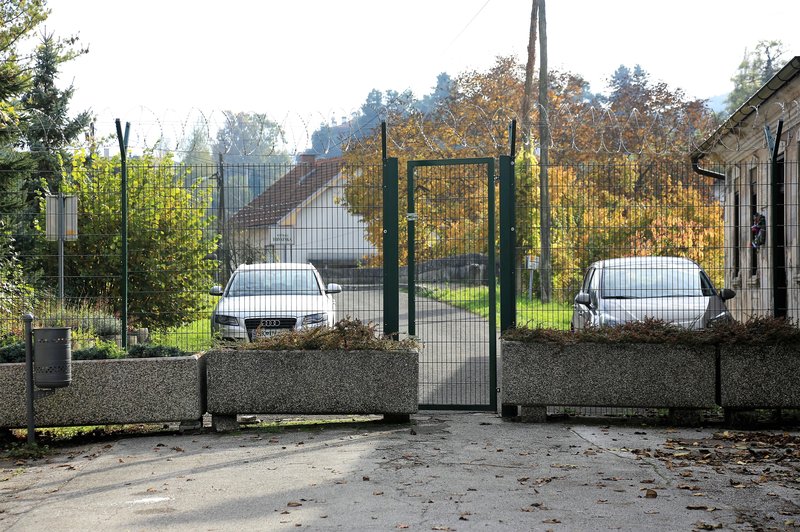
x=143 y=390
x=759 y=376
x=312 y=382
x=617 y=375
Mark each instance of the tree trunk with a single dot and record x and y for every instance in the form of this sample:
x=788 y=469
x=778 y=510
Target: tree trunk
x=527 y=97
x=545 y=267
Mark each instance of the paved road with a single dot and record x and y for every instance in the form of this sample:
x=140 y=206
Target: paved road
x=445 y=471
x=454 y=358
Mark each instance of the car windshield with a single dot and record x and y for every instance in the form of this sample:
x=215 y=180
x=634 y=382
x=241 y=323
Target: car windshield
x=648 y=282
x=273 y=283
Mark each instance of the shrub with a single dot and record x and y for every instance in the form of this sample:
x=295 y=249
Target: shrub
x=755 y=331
x=12 y=352
x=349 y=335
x=100 y=351
x=151 y=351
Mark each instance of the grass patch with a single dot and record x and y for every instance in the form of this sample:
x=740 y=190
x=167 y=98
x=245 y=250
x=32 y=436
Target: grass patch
x=14 y=443
x=475 y=299
x=278 y=426
x=193 y=337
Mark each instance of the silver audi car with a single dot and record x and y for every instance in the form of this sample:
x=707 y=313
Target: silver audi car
x=264 y=299
x=672 y=289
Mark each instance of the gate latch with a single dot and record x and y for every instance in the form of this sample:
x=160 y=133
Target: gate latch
x=411 y=216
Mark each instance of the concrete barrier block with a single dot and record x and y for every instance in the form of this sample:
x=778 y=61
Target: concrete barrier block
x=137 y=390
x=312 y=382
x=759 y=376
x=624 y=375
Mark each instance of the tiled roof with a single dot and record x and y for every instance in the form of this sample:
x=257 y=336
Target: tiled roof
x=287 y=193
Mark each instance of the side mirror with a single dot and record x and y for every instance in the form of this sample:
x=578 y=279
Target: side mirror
x=333 y=288
x=215 y=291
x=726 y=294
x=583 y=299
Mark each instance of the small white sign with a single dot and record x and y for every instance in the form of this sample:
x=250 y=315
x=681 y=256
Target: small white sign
x=531 y=262
x=282 y=239
x=69 y=215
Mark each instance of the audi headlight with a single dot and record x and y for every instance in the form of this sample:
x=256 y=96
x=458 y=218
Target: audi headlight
x=226 y=320
x=315 y=319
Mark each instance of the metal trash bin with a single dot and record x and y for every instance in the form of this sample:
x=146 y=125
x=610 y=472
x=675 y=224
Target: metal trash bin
x=52 y=357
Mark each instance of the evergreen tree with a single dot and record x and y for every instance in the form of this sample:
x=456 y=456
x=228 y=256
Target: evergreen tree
x=17 y=21
x=49 y=129
x=756 y=68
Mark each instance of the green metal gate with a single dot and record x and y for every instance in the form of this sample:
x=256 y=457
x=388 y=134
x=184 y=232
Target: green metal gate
x=451 y=273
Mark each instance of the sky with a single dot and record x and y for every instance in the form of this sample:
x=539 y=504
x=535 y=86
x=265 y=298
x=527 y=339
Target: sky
x=164 y=65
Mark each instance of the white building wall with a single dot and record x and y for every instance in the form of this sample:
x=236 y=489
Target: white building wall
x=323 y=230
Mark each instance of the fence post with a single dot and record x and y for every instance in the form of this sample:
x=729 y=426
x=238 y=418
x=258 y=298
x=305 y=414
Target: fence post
x=391 y=273
x=123 y=149
x=508 y=299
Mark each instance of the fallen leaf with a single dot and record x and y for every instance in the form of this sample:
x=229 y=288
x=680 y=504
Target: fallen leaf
x=707 y=526
x=650 y=494
x=294 y=504
x=551 y=521
x=377 y=493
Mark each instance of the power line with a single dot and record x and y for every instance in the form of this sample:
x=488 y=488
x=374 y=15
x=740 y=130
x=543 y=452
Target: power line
x=467 y=25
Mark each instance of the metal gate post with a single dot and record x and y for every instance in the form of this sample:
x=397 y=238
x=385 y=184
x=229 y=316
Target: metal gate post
x=508 y=299
x=411 y=217
x=391 y=276
x=492 y=289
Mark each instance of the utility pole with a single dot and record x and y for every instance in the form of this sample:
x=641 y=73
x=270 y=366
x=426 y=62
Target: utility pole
x=525 y=118
x=545 y=266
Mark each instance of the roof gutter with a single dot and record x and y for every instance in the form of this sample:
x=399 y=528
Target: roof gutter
x=703 y=171
x=784 y=76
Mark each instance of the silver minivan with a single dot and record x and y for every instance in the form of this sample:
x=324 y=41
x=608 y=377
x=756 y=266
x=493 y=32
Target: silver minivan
x=672 y=289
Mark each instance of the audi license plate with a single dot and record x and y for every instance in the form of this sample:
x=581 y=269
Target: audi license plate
x=263 y=333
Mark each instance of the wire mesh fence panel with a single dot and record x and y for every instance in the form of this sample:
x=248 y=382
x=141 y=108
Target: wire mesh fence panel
x=452 y=283
x=604 y=211
x=189 y=227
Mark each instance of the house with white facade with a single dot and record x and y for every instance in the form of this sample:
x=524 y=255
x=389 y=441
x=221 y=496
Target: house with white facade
x=302 y=218
x=756 y=154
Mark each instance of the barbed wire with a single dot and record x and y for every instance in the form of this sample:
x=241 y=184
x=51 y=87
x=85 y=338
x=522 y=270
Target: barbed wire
x=574 y=128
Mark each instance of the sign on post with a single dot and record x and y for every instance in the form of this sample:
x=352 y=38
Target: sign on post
x=59 y=207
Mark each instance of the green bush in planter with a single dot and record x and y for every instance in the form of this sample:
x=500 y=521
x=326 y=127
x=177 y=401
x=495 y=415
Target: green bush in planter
x=15 y=352
x=152 y=351
x=100 y=351
x=347 y=335
x=755 y=331
x=12 y=352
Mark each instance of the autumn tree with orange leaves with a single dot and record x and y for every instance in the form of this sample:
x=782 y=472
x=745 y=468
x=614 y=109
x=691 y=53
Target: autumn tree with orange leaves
x=621 y=181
